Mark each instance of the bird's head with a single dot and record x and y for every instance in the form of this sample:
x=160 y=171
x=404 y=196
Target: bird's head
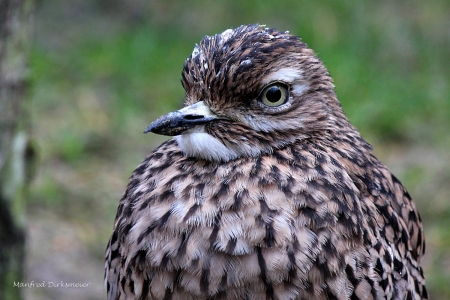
x=250 y=91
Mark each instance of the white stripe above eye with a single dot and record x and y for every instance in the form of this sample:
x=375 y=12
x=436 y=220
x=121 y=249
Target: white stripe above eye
x=298 y=89
x=288 y=75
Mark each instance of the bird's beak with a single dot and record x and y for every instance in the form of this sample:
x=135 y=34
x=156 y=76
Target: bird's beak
x=175 y=123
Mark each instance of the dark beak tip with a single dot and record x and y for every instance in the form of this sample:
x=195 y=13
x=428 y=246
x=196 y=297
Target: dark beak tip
x=148 y=129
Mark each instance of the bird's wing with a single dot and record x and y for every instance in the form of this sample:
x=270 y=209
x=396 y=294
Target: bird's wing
x=112 y=262
x=118 y=248
x=399 y=243
x=395 y=244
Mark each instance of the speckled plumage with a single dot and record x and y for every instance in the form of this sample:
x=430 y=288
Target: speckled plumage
x=256 y=202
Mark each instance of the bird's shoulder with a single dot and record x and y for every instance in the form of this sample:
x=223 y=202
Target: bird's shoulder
x=398 y=243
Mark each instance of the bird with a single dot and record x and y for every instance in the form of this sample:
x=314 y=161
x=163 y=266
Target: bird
x=265 y=190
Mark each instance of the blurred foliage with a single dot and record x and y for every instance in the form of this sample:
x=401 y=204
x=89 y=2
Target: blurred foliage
x=101 y=71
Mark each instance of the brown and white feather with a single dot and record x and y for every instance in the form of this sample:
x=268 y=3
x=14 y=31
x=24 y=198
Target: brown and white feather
x=264 y=203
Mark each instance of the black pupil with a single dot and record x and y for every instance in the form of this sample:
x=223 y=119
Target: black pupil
x=273 y=94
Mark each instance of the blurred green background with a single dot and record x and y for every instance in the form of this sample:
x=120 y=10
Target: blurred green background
x=101 y=71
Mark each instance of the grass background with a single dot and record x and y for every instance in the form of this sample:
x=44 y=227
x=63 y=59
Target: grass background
x=101 y=71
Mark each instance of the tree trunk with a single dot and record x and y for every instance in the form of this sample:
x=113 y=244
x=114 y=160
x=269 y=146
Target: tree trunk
x=15 y=150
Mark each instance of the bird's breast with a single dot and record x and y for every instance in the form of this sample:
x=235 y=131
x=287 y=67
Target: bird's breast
x=235 y=220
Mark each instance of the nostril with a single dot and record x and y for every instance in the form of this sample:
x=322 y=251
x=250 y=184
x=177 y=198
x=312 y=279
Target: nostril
x=193 y=117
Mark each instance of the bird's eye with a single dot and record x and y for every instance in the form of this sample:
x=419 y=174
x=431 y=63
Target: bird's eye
x=274 y=95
